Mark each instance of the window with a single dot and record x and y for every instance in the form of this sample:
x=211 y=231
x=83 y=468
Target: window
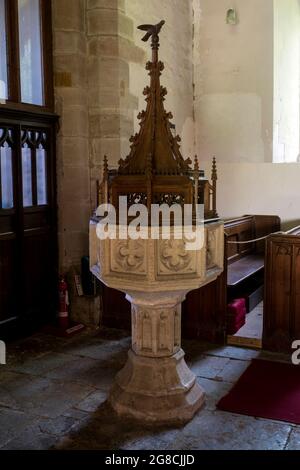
x=30 y=47
x=6 y=169
x=286 y=105
x=3 y=53
x=41 y=164
x=6 y=177
x=26 y=95
x=34 y=168
x=27 y=176
x=25 y=40
x=6 y=180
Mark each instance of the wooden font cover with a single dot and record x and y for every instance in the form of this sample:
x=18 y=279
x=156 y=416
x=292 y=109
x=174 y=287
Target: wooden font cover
x=155 y=170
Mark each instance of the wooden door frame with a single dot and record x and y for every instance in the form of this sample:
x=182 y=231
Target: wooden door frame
x=17 y=119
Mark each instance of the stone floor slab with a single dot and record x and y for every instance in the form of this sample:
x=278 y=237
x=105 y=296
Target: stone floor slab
x=31 y=439
x=233 y=370
x=86 y=371
x=293 y=442
x=12 y=423
x=209 y=367
x=44 y=364
x=225 y=431
x=40 y=396
x=92 y=402
x=214 y=391
x=234 y=353
x=53 y=393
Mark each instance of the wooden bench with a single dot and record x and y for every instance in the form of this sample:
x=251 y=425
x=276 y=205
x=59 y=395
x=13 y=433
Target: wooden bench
x=243 y=269
x=246 y=260
x=205 y=309
x=282 y=291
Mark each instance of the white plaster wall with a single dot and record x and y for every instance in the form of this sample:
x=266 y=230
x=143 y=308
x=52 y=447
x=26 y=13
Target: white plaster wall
x=286 y=80
x=234 y=80
x=265 y=188
x=235 y=87
x=176 y=53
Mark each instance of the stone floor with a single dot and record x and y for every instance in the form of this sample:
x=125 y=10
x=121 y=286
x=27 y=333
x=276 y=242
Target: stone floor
x=253 y=327
x=53 y=395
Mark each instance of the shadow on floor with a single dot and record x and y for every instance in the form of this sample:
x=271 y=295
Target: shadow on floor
x=105 y=430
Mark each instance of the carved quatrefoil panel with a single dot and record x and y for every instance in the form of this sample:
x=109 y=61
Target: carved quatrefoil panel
x=128 y=256
x=173 y=258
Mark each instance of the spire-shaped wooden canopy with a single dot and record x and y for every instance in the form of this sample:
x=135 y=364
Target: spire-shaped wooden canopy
x=155 y=171
x=154 y=145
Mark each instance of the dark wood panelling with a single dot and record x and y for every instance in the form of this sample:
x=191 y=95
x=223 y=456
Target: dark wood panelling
x=116 y=310
x=264 y=225
x=238 y=230
x=204 y=312
x=282 y=292
x=39 y=300
x=8 y=289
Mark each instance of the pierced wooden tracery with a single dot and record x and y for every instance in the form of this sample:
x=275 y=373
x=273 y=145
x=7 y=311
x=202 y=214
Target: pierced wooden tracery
x=34 y=138
x=34 y=146
x=6 y=137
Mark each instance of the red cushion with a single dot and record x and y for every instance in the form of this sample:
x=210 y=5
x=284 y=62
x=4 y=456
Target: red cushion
x=237 y=306
x=236 y=315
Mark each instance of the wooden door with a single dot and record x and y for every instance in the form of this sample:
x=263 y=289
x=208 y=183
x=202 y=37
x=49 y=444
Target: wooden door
x=28 y=235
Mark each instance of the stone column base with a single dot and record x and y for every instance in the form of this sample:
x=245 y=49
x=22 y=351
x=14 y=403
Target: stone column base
x=157 y=390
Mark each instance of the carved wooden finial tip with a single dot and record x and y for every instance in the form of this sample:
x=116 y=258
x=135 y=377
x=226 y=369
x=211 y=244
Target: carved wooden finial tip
x=214 y=169
x=105 y=165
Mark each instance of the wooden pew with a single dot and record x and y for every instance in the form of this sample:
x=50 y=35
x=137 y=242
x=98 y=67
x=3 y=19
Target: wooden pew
x=245 y=274
x=282 y=291
x=205 y=310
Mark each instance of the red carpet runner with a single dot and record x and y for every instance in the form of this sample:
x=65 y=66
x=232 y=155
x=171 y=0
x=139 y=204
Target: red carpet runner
x=266 y=390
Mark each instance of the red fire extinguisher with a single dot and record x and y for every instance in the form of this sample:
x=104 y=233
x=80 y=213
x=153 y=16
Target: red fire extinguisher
x=63 y=314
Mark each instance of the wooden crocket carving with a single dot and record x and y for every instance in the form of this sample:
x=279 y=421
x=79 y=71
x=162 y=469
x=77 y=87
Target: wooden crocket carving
x=152 y=30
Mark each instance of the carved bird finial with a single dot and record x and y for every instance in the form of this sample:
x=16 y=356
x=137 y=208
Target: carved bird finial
x=152 y=30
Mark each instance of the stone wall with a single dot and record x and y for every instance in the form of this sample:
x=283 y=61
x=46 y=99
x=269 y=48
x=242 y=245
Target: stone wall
x=70 y=58
x=99 y=74
x=73 y=158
